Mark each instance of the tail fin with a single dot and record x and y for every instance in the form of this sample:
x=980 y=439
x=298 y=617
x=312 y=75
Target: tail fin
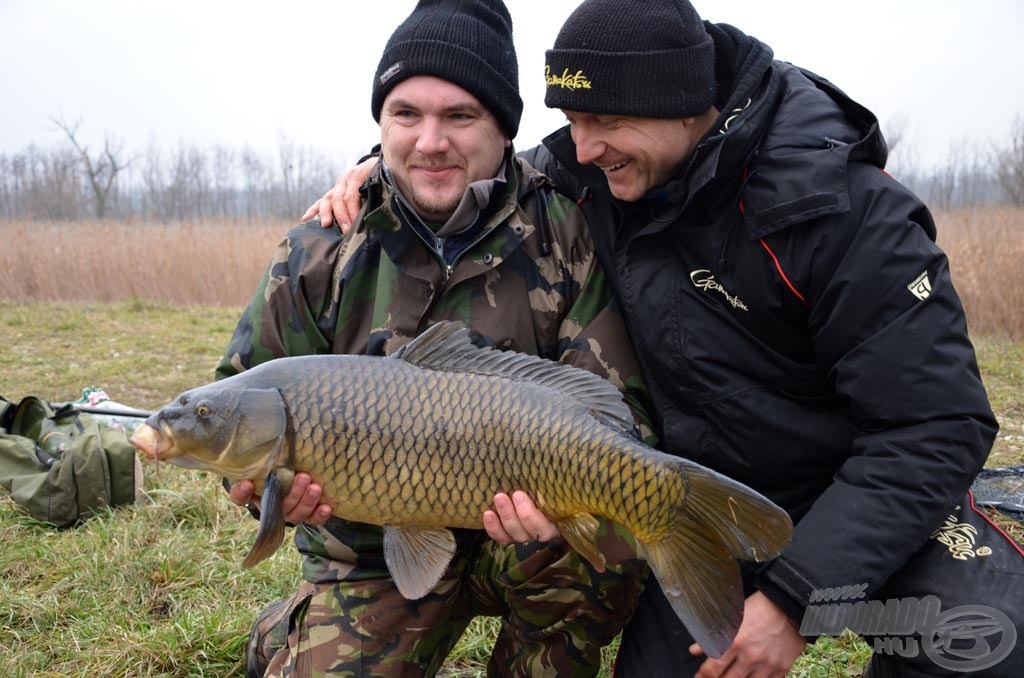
x=719 y=522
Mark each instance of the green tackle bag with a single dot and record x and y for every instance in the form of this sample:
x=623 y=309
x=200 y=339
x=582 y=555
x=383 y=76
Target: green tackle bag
x=63 y=466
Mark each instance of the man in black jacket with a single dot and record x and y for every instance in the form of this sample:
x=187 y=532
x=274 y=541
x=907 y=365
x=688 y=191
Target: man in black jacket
x=798 y=330
x=795 y=320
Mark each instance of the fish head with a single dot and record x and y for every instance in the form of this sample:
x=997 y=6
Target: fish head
x=235 y=432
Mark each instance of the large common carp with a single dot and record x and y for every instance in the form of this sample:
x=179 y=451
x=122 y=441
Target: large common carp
x=421 y=441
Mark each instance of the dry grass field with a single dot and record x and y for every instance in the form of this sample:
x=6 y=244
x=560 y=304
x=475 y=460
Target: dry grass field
x=208 y=263
x=217 y=263
x=986 y=254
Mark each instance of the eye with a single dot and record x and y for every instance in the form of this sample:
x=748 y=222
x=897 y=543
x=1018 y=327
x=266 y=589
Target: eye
x=203 y=410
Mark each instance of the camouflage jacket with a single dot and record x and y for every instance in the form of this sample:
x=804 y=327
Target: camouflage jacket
x=530 y=282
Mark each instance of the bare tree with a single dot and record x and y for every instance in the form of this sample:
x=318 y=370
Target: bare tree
x=904 y=161
x=1008 y=164
x=100 y=169
x=70 y=181
x=222 y=170
x=152 y=183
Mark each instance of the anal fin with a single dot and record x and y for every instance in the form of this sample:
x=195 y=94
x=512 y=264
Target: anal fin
x=417 y=557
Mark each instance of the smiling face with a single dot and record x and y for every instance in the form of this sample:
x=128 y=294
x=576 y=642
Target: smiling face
x=437 y=138
x=635 y=154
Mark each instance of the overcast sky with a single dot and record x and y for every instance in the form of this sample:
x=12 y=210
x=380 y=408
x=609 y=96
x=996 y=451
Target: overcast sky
x=240 y=73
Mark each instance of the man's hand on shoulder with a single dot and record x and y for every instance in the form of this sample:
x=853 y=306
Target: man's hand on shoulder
x=342 y=202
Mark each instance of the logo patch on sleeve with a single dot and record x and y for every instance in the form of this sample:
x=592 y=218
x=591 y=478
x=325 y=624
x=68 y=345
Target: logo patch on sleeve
x=921 y=287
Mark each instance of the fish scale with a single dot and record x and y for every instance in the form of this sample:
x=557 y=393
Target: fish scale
x=471 y=449
x=422 y=441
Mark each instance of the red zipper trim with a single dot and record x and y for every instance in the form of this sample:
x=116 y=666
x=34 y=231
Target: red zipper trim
x=782 y=273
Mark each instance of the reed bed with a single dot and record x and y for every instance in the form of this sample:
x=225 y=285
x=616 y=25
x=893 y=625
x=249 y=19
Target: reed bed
x=986 y=255
x=207 y=263
x=217 y=263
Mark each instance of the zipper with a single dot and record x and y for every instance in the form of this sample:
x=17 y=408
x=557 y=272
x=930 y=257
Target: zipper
x=435 y=244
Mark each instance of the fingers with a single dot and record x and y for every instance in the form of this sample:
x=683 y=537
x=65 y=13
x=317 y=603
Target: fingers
x=493 y=526
x=326 y=211
x=302 y=503
x=517 y=519
x=241 y=493
x=347 y=206
x=766 y=645
x=311 y=211
x=534 y=522
x=725 y=666
x=348 y=200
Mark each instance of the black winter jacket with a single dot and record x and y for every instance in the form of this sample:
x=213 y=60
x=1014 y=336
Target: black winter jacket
x=796 y=322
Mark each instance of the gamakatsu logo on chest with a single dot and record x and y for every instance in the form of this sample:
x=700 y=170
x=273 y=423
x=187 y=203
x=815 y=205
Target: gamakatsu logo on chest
x=703 y=279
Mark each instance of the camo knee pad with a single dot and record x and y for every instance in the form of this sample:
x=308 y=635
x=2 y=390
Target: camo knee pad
x=356 y=629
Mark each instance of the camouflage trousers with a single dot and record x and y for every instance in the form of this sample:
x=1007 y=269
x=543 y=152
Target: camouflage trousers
x=348 y=618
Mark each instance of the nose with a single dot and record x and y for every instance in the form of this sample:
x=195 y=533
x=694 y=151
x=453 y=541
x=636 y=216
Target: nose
x=433 y=136
x=589 y=146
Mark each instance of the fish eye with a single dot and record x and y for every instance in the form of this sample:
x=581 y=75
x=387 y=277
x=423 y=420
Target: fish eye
x=203 y=410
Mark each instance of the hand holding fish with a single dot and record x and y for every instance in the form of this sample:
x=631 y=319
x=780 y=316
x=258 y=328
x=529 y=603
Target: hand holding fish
x=767 y=644
x=516 y=519
x=300 y=505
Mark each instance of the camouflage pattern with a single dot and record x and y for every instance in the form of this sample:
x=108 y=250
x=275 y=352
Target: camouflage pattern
x=557 y=613
x=370 y=293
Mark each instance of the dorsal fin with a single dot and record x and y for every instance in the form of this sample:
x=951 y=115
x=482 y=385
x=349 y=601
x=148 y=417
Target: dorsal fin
x=446 y=347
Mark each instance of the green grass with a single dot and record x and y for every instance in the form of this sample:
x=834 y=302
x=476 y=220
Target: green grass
x=157 y=589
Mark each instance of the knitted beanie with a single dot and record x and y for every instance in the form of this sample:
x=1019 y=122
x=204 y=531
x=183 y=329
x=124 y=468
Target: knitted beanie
x=466 y=42
x=644 y=58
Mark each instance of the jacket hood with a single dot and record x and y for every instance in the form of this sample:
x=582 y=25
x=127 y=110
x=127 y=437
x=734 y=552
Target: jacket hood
x=787 y=133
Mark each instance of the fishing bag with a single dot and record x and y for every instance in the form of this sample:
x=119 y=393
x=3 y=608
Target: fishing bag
x=63 y=466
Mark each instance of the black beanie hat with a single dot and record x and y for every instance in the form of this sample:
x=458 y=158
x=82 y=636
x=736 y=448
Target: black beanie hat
x=466 y=42
x=644 y=58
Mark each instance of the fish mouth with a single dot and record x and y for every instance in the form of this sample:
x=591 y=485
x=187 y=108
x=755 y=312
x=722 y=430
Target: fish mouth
x=151 y=442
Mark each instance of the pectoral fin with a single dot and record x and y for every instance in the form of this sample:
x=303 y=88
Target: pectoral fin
x=271 y=530
x=417 y=557
x=581 y=533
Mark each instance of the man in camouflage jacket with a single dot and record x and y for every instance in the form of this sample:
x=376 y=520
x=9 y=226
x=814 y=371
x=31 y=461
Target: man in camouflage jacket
x=514 y=261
